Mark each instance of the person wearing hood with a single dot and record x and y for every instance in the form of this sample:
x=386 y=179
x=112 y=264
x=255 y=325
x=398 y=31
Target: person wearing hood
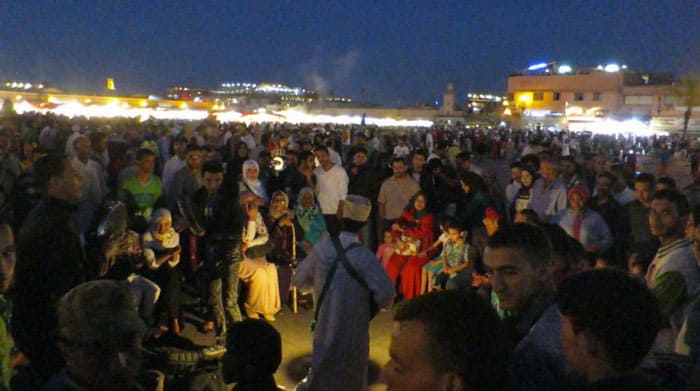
x=584 y=224
x=309 y=216
x=250 y=180
x=523 y=197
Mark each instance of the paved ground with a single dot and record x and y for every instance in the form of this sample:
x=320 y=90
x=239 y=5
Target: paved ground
x=296 y=342
x=294 y=328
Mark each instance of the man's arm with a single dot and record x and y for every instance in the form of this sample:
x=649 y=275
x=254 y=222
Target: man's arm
x=381 y=200
x=343 y=185
x=380 y=285
x=304 y=275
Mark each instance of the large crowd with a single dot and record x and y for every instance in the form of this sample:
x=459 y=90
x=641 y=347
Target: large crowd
x=580 y=272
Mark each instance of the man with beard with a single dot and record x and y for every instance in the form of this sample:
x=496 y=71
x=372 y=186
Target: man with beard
x=364 y=181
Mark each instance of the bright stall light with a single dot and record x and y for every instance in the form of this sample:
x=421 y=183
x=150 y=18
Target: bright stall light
x=612 y=127
x=536 y=67
x=563 y=69
x=612 y=68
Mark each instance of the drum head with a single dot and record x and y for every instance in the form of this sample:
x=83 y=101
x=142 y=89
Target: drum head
x=114 y=222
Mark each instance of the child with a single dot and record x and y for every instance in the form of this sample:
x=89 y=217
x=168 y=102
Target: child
x=386 y=249
x=454 y=256
x=161 y=248
x=434 y=266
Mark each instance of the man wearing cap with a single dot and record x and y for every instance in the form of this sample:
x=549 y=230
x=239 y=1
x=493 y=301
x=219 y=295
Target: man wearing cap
x=341 y=334
x=100 y=335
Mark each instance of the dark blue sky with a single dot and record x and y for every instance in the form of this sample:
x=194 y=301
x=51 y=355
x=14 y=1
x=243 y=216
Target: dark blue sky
x=397 y=52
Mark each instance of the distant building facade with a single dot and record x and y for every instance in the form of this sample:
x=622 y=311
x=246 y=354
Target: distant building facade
x=546 y=94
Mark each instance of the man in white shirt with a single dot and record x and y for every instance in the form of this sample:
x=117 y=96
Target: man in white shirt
x=331 y=188
x=429 y=141
x=175 y=163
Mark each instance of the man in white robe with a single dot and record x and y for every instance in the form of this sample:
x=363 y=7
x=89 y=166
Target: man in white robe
x=341 y=334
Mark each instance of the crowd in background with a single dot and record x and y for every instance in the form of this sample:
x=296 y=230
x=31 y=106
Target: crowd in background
x=221 y=206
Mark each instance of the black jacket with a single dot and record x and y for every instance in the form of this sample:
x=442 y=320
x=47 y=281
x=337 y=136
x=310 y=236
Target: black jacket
x=50 y=262
x=223 y=226
x=365 y=183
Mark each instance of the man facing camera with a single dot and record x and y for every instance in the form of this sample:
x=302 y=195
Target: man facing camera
x=517 y=258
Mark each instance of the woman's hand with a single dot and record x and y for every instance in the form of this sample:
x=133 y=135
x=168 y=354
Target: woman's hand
x=286 y=221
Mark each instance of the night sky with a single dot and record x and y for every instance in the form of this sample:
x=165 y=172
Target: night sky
x=391 y=52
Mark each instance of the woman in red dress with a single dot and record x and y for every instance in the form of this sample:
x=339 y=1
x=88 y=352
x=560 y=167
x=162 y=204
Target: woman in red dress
x=414 y=233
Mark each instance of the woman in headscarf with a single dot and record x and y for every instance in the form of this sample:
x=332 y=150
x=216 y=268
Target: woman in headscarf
x=251 y=182
x=261 y=276
x=524 y=194
x=285 y=235
x=309 y=216
x=285 y=232
x=414 y=231
x=161 y=248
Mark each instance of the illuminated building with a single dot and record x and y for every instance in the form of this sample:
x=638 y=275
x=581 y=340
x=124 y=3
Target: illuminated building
x=11 y=85
x=481 y=103
x=248 y=95
x=546 y=93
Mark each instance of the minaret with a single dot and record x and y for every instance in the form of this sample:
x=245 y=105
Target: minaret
x=448 y=100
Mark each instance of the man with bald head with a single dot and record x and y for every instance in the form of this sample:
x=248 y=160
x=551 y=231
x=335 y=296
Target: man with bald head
x=548 y=192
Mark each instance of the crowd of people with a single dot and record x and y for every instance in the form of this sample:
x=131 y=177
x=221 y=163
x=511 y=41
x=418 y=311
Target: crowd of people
x=576 y=273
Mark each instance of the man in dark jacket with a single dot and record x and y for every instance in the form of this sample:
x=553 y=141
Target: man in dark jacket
x=216 y=209
x=50 y=261
x=364 y=181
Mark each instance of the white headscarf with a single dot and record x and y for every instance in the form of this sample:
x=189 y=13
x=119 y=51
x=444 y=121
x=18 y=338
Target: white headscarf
x=152 y=240
x=254 y=185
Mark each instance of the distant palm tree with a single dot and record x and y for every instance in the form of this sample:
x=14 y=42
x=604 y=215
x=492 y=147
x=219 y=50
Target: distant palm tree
x=687 y=93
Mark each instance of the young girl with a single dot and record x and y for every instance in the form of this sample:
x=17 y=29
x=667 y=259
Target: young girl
x=434 y=266
x=386 y=249
x=454 y=256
